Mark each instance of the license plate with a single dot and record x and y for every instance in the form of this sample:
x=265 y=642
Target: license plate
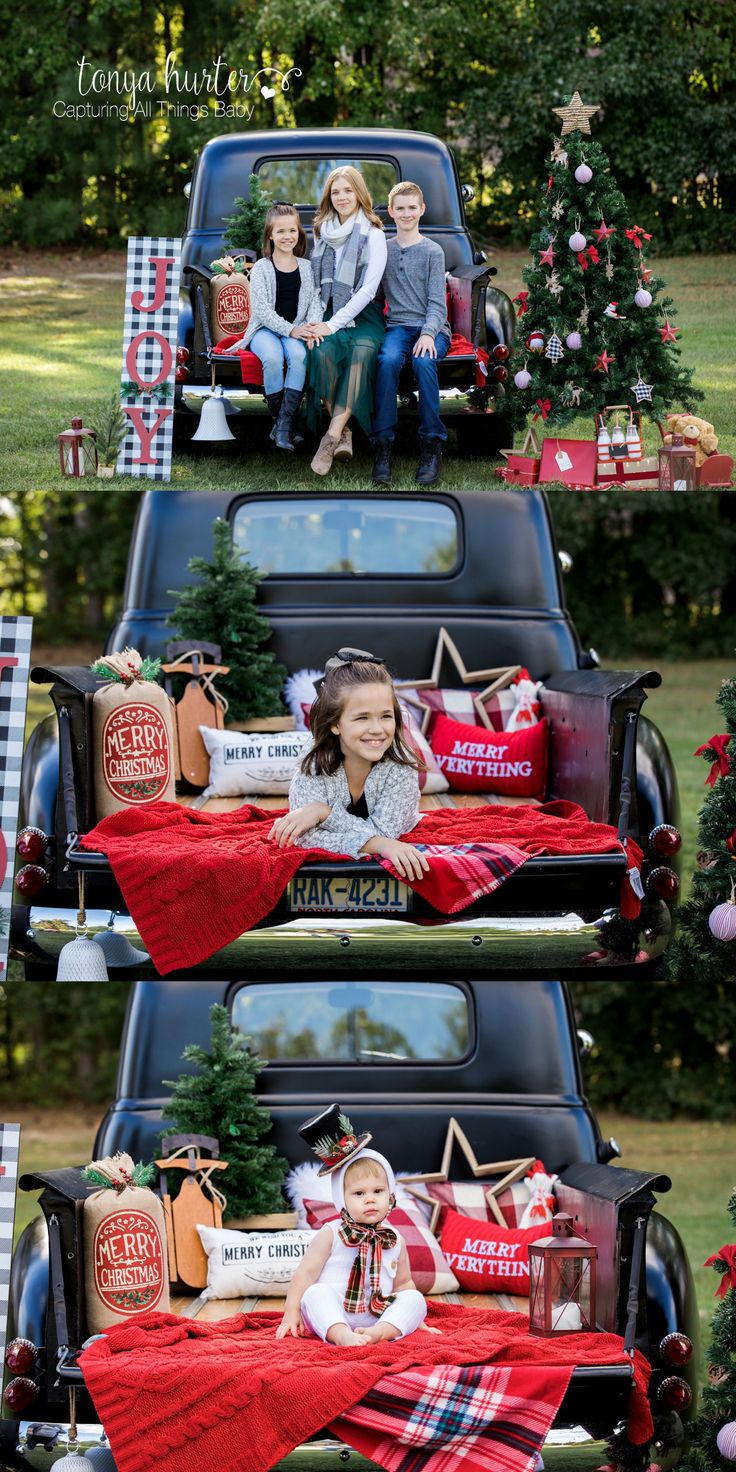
x=364 y=894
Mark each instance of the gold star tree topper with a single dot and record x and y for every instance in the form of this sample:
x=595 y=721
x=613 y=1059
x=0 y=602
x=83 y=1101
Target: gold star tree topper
x=575 y=115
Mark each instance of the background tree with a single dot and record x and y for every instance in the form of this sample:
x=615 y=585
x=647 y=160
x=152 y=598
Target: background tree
x=711 y=1435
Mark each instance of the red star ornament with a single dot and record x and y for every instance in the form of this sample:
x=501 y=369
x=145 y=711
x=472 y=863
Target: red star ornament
x=668 y=333
x=645 y=275
x=603 y=231
x=602 y=362
x=547 y=257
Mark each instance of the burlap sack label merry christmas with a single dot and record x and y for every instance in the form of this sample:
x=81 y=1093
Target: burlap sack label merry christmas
x=133 y=736
x=124 y=1245
x=229 y=299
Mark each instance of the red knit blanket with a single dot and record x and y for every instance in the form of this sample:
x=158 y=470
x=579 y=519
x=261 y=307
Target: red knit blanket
x=179 y=1395
x=194 y=881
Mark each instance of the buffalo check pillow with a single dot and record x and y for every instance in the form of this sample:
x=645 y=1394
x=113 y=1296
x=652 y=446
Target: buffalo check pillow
x=470 y=1198
x=427 y=1263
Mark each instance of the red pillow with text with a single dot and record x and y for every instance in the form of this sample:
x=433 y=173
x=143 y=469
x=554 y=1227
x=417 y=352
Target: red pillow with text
x=487 y=1258
x=429 y=1269
x=476 y=760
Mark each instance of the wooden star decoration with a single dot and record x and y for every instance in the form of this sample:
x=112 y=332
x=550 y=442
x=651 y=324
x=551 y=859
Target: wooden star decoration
x=602 y=362
x=499 y=678
x=575 y=115
x=668 y=333
x=508 y=1170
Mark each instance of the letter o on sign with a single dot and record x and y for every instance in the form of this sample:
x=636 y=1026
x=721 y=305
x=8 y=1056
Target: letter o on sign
x=131 y=359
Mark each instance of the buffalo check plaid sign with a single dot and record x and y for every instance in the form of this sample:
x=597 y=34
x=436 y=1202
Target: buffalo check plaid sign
x=149 y=355
x=9 y=1146
x=15 y=651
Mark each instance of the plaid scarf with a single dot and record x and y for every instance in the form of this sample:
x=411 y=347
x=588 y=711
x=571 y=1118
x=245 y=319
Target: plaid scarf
x=368 y=1240
x=343 y=283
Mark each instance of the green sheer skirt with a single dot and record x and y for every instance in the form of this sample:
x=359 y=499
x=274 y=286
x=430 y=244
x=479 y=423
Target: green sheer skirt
x=341 y=371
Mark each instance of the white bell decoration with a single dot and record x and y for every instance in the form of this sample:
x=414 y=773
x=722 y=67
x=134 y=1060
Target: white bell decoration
x=73 y=1462
x=577 y=241
x=583 y=173
x=81 y=960
x=118 y=951
x=213 y=423
x=574 y=342
x=523 y=378
x=643 y=297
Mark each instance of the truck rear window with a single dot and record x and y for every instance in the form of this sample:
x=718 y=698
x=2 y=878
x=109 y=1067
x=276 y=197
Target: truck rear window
x=342 y=538
x=354 y=1021
x=301 y=180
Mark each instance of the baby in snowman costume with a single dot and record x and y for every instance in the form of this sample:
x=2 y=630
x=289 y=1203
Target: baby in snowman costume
x=353 y=1285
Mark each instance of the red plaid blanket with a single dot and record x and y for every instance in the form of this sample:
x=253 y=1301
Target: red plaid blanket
x=178 y=1395
x=194 y=881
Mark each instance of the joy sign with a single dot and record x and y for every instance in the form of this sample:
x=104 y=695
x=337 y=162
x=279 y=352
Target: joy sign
x=149 y=355
x=15 y=650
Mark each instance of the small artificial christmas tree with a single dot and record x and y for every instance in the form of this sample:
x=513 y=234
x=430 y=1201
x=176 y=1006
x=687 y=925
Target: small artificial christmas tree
x=219 y=1100
x=594 y=328
x=221 y=608
x=705 y=949
x=712 y=1433
x=245 y=224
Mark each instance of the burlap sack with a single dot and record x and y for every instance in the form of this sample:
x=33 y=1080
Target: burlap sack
x=125 y=1268
x=229 y=305
x=134 y=757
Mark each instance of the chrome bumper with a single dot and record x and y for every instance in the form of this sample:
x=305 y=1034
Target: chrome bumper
x=240 y=400
x=529 y=943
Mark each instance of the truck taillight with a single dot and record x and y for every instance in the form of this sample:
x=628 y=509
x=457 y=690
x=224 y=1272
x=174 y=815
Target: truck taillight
x=675 y=1393
x=30 y=880
x=676 y=1348
x=665 y=840
x=31 y=844
x=20 y=1356
x=20 y=1393
x=663 y=883
x=182 y=355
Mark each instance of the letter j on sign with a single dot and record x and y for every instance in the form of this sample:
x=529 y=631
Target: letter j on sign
x=149 y=355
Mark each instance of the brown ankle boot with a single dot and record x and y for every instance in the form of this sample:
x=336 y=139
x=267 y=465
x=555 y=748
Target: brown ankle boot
x=322 y=462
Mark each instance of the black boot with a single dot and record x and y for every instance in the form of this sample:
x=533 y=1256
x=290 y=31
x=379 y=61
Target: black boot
x=274 y=405
x=430 y=462
x=382 y=463
x=284 y=427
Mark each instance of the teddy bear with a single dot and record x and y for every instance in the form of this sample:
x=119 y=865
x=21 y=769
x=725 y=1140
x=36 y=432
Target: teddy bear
x=707 y=441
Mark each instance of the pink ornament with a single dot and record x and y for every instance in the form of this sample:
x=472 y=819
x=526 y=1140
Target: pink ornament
x=722 y=921
x=574 y=341
x=577 y=241
x=726 y=1441
x=522 y=379
x=583 y=174
x=643 y=297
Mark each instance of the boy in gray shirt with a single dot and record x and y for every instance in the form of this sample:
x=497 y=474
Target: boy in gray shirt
x=416 y=328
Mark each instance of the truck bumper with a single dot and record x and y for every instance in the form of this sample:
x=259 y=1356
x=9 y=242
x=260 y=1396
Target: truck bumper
x=536 y=944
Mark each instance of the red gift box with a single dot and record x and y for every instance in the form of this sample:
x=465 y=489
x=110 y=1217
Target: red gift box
x=637 y=475
x=573 y=462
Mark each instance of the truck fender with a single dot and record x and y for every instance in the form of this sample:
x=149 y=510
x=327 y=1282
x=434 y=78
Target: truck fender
x=656 y=784
x=40 y=777
x=500 y=319
x=29 y=1284
x=671 y=1301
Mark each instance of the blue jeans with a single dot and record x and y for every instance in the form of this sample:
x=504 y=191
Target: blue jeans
x=395 y=352
x=275 y=352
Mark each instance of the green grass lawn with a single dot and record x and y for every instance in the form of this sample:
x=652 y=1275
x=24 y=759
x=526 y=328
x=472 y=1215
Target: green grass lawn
x=61 y=354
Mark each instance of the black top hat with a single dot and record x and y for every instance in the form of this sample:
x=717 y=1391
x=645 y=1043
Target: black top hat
x=332 y=1137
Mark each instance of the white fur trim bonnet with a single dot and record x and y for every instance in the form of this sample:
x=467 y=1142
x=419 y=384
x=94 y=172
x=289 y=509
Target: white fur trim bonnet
x=337 y=1178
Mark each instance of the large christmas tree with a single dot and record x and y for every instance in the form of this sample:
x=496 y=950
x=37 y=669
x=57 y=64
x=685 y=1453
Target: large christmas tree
x=595 y=327
x=712 y=1435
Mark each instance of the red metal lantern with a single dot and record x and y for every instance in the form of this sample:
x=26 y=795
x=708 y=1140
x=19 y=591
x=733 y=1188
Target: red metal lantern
x=77 y=450
x=561 y=1282
x=677 y=466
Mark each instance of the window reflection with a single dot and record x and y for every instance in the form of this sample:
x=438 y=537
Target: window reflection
x=380 y=1023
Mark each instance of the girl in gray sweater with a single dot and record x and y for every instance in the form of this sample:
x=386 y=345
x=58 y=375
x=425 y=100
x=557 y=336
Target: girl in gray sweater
x=357 y=788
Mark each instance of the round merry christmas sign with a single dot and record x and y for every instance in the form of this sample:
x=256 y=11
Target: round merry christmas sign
x=128 y=1262
x=135 y=753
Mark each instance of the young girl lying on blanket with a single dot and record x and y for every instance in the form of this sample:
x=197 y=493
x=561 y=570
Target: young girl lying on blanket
x=357 y=789
x=353 y=1285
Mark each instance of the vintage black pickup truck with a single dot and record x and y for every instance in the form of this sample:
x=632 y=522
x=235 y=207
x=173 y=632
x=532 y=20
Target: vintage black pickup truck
x=293 y=165
x=386 y=572
x=501 y=1057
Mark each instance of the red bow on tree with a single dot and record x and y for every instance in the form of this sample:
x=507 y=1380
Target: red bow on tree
x=544 y=407
x=523 y=300
x=721 y=761
x=730 y=842
x=727 y=1256
x=636 y=234
x=592 y=253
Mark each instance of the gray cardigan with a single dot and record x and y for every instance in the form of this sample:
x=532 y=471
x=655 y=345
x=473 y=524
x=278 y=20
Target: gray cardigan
x=392 y=795
x=262 y=288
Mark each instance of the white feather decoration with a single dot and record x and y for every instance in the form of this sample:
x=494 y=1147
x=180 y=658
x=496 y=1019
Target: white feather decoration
x=298 y=691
